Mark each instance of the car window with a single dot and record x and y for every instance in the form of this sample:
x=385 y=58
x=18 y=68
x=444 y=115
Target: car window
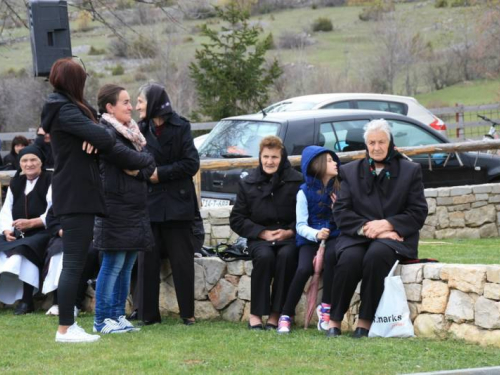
x=298 y=136
x=407 y=134
x=380 y=105
x=289 y=106
x=338 y=105
x=343 y=136
x=237 y=137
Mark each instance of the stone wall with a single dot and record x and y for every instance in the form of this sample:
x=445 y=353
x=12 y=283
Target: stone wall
x=463 y=212
x=454 y=212
x=445 y=300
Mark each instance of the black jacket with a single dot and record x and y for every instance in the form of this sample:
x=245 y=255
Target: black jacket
x=76 y=184
x=255 y=211
x=47 y=150
x=404 y=205
x=127 y=227
x=174 y=197
x=10 y=162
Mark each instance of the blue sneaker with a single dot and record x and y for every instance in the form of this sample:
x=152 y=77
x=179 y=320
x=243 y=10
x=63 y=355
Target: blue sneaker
x=323 y=312
x=125 y=324
x=109 y=326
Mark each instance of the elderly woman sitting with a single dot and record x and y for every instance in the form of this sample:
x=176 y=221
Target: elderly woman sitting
x=379 y=211
x=24 y=240
x=264 y=213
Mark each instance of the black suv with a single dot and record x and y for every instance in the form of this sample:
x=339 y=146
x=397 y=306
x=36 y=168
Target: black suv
x=338 y=130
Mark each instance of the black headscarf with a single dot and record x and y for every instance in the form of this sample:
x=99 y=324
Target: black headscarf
x=276 y=179
x=31 y=149
x=158 y=102
x=384 y=177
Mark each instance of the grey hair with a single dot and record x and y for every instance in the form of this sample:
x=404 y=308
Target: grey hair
x=375 y=126
x=144 y=89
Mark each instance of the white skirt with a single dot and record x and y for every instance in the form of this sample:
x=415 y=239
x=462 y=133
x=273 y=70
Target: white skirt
x=51 y=281
x=15 y=270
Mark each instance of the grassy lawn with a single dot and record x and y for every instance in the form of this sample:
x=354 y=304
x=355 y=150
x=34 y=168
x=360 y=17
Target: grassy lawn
x=28 y=347
x=484 y=251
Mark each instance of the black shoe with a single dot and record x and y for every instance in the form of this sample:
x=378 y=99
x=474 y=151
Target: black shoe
x=333 y=332
x=188 y=322
x=257 y=327
x=270 y=327
x=360 y=332
x=134 y=315
x=24 y=308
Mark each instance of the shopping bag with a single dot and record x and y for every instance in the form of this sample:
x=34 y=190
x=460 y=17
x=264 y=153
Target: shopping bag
x=392 y=318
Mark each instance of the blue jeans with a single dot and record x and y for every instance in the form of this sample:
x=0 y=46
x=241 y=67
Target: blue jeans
x=113 y=283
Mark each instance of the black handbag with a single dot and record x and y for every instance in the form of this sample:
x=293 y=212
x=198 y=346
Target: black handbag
x=233 y=252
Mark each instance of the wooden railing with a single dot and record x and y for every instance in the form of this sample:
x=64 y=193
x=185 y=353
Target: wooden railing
x=225 y=164
x=449 y=148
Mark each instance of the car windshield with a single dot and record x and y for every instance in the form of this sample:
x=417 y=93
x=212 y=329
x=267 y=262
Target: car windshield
x=290 y=106
x=237 y=138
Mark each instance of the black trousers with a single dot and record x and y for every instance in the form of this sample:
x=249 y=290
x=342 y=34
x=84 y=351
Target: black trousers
x=89 y=272
x=368 y=262
x=176 y=244
x=276 y=263
x=305 y=269
x=77 y=236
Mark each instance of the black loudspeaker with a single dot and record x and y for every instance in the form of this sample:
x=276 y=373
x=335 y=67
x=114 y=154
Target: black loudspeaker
x=50 y=37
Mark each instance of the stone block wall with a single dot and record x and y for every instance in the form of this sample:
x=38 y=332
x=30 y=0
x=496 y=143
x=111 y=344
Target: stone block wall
x=445 y=300
x=463 y=212
x=454 y=212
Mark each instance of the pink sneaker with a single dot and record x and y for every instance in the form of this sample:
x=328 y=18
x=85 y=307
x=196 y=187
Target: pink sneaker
x=284 y=324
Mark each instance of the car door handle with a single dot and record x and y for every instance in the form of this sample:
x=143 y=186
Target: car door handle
x=219 y=183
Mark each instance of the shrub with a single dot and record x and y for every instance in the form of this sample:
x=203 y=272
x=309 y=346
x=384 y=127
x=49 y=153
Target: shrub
x=332 y=3
x=322 y=24
x=291 y=40
x=141 y=47
x=96 y=51
x=441 y=4
x=118 y=70
x=83 y=21
x=376 y=10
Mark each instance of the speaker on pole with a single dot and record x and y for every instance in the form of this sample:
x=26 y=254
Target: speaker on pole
x=49 y=30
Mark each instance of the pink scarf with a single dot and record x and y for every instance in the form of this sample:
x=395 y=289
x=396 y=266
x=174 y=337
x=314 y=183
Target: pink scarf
x=130 y=131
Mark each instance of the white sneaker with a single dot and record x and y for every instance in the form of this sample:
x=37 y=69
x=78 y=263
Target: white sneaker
x=109 y=326
x=76 y=334
x=125 y=324
x=323 y=318
x=54 y=311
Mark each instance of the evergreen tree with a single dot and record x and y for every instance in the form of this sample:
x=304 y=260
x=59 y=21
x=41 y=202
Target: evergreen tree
x=230 y=73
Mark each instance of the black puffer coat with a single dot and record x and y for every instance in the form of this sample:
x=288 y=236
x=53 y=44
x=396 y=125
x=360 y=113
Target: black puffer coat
x=127 y=227
x=259 y=206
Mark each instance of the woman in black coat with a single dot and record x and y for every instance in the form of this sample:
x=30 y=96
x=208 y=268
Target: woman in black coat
x=76 y=185
x=10 y=161
x=379 y=211
x=172 y=205
x=264 y=213
x=125 y=230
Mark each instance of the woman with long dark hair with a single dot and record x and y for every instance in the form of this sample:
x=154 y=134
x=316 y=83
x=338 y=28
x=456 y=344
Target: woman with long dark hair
x=76 y=185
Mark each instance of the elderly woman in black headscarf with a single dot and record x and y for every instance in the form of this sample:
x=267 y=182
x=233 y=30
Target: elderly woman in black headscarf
x=22 y=222
x=264 y=213
x=172 y=205
x=379 y=211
